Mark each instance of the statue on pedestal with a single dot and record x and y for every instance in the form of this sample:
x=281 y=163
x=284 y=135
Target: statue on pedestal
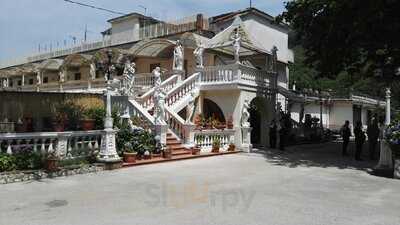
x=178 y=56
x=198 y=53
x=92 y=71
x=245 y=114
x=61 y=75
x=237 y=39
x=38 y=78
x=190 y=108
x=159 y=108
x=128 y=78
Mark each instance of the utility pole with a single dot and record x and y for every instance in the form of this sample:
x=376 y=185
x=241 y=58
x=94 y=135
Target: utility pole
x=85 y=35
x=251 y=3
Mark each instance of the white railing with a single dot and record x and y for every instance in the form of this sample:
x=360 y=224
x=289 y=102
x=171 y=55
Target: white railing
x=144 y=79
x=123 y=103
x=182 y=90
x=254 y=76
x=65 y=144
x=219 y=74
x=175 y=123
x=147 y=99
x=205 y=138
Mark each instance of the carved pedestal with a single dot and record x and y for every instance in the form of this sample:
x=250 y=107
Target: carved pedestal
x=189 y=131
x=161 y=131
x=246 y=145
x=108 y=153
x=385 y=165
x=396 y=173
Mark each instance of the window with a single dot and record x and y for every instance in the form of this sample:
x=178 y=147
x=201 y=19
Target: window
x=19 y=82
x=45 y=80
x=30 y=81
x=77 y=76
x=153 y=66
x=11 y=83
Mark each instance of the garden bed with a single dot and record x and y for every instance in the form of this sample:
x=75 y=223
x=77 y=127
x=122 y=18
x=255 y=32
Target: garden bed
x=29 y=175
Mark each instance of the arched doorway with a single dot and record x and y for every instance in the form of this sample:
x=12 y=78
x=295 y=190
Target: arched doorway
x=257 y=119
x=212 y=110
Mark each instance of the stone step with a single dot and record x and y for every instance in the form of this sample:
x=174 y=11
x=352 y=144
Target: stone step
x=181 y=152
x=173 y=142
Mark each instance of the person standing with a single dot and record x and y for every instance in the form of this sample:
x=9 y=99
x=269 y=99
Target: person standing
x=373 y=135
x=360 y=139
x=272 y=134
x=346 y=133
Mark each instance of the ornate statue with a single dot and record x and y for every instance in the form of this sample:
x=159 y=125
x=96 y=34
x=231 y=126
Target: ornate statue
x=61 y=75
x=237 y=39
x=274 y=59
x=128 y=78
x=198 y=53
x=178 y=56
x=92 y=71
x=245 y=114
x=5 y=83
x=159 y=108
x=157 y=77
x=190 y=108
x=38 y=78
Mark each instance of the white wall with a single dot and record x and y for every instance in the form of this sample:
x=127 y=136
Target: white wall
x=124 y=29
x=340 y=112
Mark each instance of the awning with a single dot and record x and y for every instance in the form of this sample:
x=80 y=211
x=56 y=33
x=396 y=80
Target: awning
x=51 y=64
x=152 y=48
x=77 y=60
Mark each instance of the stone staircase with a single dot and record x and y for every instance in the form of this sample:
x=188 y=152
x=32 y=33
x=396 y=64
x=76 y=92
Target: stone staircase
x=176 y=146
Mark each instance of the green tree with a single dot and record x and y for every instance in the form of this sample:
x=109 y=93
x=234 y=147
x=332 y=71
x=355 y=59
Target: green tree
x=357 y=36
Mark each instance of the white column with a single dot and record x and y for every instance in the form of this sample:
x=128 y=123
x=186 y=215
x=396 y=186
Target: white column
x=385 y=159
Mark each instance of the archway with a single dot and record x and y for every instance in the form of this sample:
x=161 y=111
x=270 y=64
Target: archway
x=212 y=110
x=258 y=115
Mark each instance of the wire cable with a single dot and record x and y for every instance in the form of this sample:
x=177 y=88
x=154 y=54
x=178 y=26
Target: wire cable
x=95 y=7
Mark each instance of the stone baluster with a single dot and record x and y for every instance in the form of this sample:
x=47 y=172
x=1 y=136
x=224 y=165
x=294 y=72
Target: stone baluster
x=90 y=145
x=9 y=149
x=96 y=144
x=34 y=142
x=18 y=144
x=50 y=148
x=43 y=146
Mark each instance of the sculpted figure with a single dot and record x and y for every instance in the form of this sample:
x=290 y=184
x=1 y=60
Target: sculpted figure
x=160 y=108
x=178 y=56
x=190 y=108
x=198 y=53
x=237 y=39
x=61 y=75
x=245 y=114
x=38 y=78
x=92 y=71
x=128 y=80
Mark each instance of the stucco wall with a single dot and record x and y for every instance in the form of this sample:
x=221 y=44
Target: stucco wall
x=340 y=112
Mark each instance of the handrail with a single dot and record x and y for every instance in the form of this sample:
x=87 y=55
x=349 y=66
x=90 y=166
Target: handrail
x=146 y=100
x=175 y=123
x=141 y=112
x=181 y=90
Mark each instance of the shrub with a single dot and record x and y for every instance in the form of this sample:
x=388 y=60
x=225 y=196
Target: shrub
x=97 y=114
x=28 y=160
x=7 y=162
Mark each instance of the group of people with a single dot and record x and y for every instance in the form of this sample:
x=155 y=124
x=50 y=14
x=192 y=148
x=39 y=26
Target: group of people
x=373 y=133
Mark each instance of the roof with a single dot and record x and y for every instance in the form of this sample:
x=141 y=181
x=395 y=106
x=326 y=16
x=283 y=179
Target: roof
x=231 y=15
x=131 y=15
x=223 y=42
x=51 y=64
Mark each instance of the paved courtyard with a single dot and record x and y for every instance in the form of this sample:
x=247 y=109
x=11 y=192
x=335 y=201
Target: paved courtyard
x=310 y=185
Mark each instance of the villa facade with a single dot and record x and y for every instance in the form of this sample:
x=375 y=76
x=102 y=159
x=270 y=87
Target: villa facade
x=244 y=65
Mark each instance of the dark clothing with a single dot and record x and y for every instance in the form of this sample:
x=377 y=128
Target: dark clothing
x=282 y=139
x=373 y=135
x=360 y=139
x=272 y=136
x=346 y=133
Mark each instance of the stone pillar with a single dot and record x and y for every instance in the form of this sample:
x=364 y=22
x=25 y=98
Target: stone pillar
x=108 y=152
x=246 y=145
x=62 y=144
x=189 y=131
x=23 y=80
x=385 y=164
x=161 y=131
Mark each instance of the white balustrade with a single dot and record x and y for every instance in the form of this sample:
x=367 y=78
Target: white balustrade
x=219 y=74
x=65 y=144
x=254 y=76
x=205 y=138
x=182 y=90
x=175 y=123
x=147 y=100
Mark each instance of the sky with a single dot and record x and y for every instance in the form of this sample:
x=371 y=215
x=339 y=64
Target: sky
x=26 y=24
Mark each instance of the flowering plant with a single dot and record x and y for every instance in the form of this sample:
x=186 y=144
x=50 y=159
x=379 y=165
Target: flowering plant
x=393 y=133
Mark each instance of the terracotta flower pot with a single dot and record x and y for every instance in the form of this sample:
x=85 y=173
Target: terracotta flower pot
x=195 y=151
x=129 y=157
x=51 y=165
x=231 y=148
x=58 y=127
x=215 y=149
x=87 y=124
x=167 y=154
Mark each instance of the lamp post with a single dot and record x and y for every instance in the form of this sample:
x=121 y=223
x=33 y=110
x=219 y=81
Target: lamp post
x=108 y=153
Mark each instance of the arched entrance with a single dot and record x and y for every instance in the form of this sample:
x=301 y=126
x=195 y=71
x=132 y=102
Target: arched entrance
x=258 y=117
x=212 y=110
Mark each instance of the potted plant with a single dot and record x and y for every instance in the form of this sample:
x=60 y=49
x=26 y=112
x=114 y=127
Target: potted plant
x=129 y=154
x=59 y=121
x=167 y=153
x=216 y=145
x=231 y=147
x=88 y=121
x=195 y=150
x=51 y=161
x=198 y=121
x=229 y=122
